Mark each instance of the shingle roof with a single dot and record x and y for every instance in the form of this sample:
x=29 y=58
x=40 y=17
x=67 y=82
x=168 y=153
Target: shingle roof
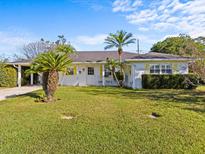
x=100 y=56
x=158 y=56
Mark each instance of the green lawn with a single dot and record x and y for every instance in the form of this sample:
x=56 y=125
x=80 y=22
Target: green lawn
x=107 y=120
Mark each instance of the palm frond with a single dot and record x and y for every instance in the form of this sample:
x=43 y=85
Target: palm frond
x=50 y=61
x=119 y=39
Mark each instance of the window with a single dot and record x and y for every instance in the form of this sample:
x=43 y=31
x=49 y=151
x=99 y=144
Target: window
x=90 y=70
x=70 y=71
x=107 y=72
x=166 y=69
x=155 y=69
x=161 y=69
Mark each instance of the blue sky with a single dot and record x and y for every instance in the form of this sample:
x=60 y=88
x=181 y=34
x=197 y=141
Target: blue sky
x=85 y=23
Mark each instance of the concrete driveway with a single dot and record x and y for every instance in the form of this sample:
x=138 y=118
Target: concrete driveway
x=12 y=92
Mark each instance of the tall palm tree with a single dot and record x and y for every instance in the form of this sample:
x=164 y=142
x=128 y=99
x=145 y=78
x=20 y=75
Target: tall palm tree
x=119 y=40
x=50 y=63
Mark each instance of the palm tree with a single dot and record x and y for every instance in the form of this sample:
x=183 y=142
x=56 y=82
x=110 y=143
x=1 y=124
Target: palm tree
x=65 y=49
x=50 y=63
x=119 y=40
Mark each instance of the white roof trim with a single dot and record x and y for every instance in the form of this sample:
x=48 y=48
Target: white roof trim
x=126 y=60
x=141 y=60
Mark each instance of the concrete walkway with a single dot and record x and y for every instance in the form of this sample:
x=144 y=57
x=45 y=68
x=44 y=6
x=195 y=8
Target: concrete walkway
x=12 y=92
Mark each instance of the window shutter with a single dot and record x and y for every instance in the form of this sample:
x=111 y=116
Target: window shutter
x=75 y=70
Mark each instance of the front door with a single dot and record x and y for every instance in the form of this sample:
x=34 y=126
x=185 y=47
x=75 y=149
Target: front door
x=82 y=76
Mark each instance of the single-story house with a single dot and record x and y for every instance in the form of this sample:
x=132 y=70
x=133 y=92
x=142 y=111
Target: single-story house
x=88 y=68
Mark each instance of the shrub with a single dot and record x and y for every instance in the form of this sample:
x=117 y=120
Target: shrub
x=174 y=81
x=8 y=76
x=119 y=76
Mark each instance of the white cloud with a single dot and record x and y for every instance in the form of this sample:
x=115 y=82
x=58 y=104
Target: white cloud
x=143 y=29
x=12 y=41
x=126 y=5
x=145 y=39
x=167 y=15
x=91 y=40
x=142 y=17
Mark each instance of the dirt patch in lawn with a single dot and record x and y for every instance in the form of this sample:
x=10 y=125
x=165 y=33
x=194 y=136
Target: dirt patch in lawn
x=68 y=116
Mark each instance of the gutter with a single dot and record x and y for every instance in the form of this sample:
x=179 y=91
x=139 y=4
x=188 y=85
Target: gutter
x=145 y=60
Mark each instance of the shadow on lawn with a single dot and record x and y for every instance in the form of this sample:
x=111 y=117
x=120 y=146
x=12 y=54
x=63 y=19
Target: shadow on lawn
x=190 y=97
x=196 y=109
x=35 y=95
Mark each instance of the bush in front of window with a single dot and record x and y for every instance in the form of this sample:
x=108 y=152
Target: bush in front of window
x=166 y=81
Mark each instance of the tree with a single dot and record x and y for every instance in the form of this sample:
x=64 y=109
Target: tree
x=65 y=48
x=182 y=45
x=61 y=40
x=4 y=59
x=200 y=39
x=198 y=66
x=50 y=64
x=119 y=40
x=32 y=49
x=112 y=65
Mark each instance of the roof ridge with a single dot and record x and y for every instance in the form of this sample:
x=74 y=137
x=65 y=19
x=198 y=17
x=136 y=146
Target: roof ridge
x=106 y=51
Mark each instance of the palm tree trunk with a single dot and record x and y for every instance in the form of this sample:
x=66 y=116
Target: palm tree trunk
x=52 y=85
x=120 y=55
x=45 y=82
x=123 y=73
x=120 y=51
x=116 y=79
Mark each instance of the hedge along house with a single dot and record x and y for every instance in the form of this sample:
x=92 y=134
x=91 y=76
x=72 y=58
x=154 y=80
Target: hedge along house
x=88 y=68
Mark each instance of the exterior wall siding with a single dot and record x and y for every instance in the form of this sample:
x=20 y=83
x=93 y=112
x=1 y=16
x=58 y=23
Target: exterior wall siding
x=81 y=78
x=143 y=68
x=133 y=74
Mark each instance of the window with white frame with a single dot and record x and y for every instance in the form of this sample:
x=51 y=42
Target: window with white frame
x=155 y=69
x=90 y=70
x=161 y=69
x=166 y=69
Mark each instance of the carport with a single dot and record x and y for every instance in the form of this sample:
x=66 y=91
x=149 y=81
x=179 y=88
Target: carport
x=21 y=66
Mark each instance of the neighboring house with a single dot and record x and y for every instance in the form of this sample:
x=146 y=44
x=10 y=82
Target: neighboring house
x=88 y=68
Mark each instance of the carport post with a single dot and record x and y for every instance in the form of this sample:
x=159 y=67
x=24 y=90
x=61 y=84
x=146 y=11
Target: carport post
x=19 y=76
x=133 y=76
x=31 y=81
x=103 y=75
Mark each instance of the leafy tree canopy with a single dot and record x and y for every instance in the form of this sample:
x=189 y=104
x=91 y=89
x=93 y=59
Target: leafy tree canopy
x=180 y=45
x=200 y=39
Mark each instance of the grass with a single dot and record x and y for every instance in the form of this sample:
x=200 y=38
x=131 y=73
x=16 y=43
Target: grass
x=107 y=120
